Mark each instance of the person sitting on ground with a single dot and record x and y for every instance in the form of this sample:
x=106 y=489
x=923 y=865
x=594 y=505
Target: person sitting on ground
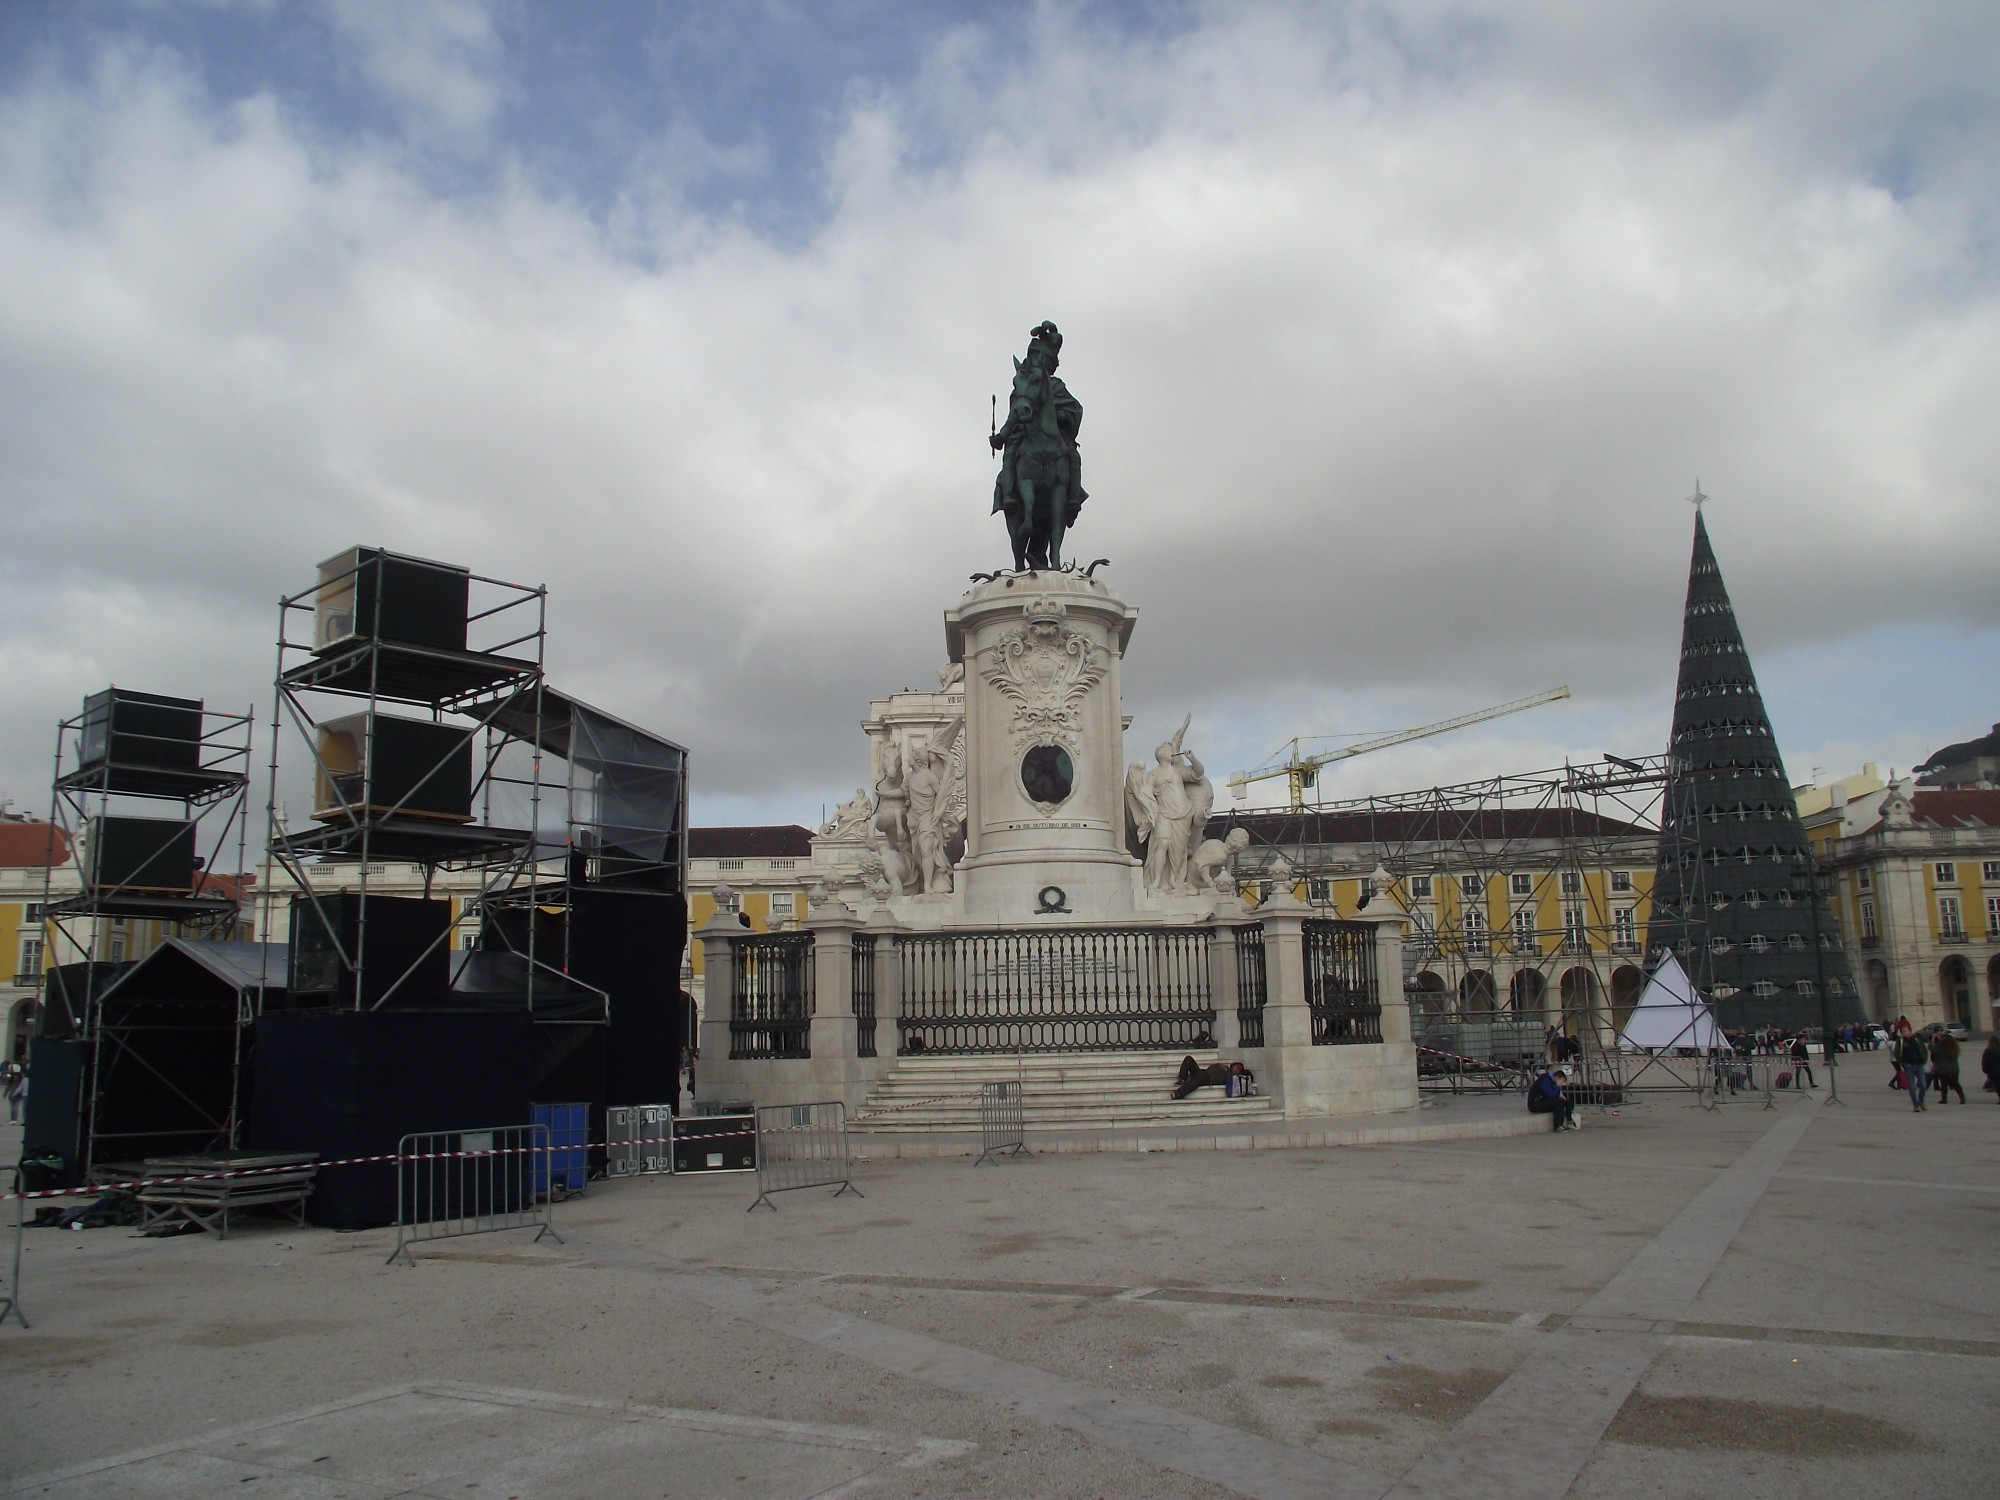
x=1546 y=1097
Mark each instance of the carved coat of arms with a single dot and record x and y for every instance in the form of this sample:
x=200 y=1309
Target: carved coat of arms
x=1044 y=667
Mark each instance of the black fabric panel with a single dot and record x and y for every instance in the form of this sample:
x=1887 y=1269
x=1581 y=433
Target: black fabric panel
x=629 y=945
x=53 y=1125
x=354 y=1084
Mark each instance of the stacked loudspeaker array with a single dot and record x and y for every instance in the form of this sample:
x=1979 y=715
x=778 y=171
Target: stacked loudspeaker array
x=149 y=793
x=397 y=674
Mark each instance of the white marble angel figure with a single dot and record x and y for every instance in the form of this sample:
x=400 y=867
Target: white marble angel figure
x=1169 y=805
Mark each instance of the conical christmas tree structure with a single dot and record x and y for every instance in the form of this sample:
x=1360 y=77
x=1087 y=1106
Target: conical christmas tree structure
x=1734 y=896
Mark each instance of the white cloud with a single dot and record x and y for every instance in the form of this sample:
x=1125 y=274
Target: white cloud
x=437 y=62
x=1396 y=351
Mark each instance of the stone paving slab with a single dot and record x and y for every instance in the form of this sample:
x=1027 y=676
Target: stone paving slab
x=1193 y=1323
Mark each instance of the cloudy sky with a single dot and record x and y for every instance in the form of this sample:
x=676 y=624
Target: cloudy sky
x=1401 y=331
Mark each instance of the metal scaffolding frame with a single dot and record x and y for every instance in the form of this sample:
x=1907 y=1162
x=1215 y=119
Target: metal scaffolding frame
x=500 y=668
x=81 y=930
x=1548 y=848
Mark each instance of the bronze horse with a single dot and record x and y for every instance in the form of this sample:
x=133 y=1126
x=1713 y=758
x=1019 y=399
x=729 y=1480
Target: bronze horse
x=1039 y=487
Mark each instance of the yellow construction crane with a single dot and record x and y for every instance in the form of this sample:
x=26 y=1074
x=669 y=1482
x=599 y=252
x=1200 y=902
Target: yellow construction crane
x=1302 y=770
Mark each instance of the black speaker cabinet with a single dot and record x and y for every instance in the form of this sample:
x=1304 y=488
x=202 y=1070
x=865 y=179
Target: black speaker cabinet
x=368 y=594
x=124 y=728
x=403 y=933
x=379 y=763
x=133 y=856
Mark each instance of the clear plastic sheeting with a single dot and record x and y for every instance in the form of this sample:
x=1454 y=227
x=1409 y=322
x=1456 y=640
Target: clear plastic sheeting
x=617 y=801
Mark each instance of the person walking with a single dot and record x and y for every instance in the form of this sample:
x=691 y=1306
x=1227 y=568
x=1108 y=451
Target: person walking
x=1989 y=1064
x=16 y=1085
x=1802 y=1062
x=1944 y=1066
x=1914 y=1057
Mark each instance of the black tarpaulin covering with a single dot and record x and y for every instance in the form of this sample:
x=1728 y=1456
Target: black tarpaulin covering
x=354 y=1083
x=494 y=979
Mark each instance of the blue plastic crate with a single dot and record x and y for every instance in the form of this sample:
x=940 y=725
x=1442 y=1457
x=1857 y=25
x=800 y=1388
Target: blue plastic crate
x=568 y=1162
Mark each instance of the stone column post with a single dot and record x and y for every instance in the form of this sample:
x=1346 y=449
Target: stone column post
x=1287 y=1019
x=713 y=1074
x=885 y=929
x=1222 y=984
x=832 y=1041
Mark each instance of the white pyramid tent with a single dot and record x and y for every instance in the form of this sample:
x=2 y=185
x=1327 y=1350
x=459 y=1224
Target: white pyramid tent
x=1671 y=1013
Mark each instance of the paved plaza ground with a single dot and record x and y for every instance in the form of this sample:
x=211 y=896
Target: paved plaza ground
x=1671 y=1301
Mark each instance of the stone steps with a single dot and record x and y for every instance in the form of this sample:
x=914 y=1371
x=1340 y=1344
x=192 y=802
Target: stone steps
x=1069 y=1091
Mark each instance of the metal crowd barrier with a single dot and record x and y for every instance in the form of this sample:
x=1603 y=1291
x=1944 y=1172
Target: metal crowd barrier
x=10 y=1305
x=802 y=1146
x=639 y=1140
x=458 y=1182
x=1003 y=1123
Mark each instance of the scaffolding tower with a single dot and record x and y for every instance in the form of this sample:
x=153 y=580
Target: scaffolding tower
x=150 y=793
x=407 y=681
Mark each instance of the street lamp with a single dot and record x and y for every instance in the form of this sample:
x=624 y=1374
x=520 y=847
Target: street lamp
x=1812 y=885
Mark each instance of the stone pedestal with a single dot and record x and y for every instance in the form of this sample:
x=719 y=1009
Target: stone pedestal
x=1044 y=735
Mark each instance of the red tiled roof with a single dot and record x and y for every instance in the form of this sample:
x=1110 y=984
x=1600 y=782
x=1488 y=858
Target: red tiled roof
x=236 y=887
x=1959 y=807
x=32 y=846
x=775 y=841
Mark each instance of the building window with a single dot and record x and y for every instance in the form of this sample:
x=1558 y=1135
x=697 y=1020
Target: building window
x=730 y=904
x=118 y=950
x=1621 y=880
x=1868 y=932
x=1625 y=930
x=33 y=912
x=784 y=905
x=1944 y=872
x=1572 y=883
x=1475 y=929
x=1524 y=932
x=1719 y=945
x=1521 y=885
x=1758 y=943
x=1319 y=890
x=1993 y=916
x=1989 y=871
x=1575 y=938
x=1804 y=987
x=1420 y=888
x=31 y=961
x=1950 y=923
x=1863 y=879
x=1469 y=887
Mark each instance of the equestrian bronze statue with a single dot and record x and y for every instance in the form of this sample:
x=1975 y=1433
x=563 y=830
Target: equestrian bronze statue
x=1040 y=488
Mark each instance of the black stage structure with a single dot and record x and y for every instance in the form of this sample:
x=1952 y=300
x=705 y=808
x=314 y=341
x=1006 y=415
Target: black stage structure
x=436 y=742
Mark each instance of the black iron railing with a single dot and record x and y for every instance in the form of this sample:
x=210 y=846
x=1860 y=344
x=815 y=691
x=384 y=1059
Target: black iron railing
x=1251 y=992
x=1341 y=987
x=771 y=995
x=864 y=994
x=1097 y=989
